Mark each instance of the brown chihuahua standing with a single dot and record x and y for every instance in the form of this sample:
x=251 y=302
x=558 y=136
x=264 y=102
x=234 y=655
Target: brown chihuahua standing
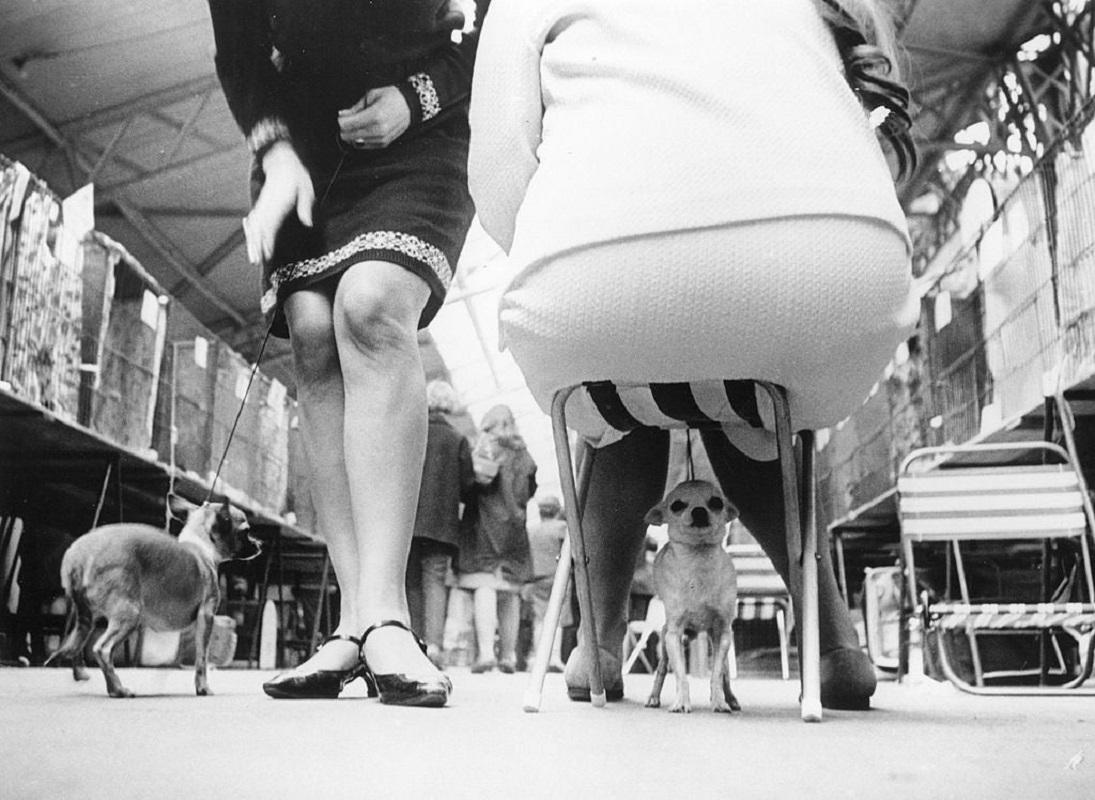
x=695 y=579
x=133 y=574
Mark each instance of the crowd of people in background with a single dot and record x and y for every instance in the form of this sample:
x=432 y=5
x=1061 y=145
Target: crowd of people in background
x=473 y=549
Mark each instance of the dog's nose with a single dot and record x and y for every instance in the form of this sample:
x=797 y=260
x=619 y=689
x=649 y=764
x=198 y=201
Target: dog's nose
x=700 y=519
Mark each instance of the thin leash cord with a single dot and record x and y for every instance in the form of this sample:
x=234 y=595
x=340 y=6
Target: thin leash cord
x=688 y=454
x=239 y=412
x=258 y=359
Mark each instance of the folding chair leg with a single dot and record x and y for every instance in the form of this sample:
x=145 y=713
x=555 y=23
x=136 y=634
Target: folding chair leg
x=801 y=530
x=1071 y=689
x=784 y=659
x=637 y=653
x=574 y=498
x=534 y=692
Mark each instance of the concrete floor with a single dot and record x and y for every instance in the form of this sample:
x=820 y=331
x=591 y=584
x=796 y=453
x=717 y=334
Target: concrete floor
x=924 y=740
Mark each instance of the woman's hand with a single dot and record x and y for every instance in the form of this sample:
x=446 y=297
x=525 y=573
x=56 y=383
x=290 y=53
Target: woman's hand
x=287 y=187
x=376 y=120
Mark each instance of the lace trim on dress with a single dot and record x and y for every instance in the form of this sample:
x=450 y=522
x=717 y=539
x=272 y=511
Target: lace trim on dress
x=427 y=95
x=403 y=243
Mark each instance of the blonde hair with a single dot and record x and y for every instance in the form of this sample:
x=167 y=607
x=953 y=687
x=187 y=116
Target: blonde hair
x=496 y=417
x=440 y=396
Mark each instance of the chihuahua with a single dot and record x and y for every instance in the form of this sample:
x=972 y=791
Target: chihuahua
x=695 y=579
x=133 y=574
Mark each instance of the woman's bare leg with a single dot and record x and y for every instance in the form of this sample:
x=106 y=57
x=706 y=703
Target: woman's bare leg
x=485 y=599
x=376 y=312
x=509 y=626
x=320 y=394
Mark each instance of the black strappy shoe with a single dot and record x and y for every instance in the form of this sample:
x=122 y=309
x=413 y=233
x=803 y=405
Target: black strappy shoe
x=323 y=684
x=398 y=689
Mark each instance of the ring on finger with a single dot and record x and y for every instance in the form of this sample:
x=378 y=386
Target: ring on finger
x=359 y=143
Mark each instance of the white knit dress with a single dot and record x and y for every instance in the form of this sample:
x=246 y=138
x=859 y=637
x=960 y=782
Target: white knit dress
x=686 y=189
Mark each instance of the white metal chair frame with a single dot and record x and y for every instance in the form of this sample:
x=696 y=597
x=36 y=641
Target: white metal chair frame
x=801 y=537
x=759 y=597
x=1072 y=517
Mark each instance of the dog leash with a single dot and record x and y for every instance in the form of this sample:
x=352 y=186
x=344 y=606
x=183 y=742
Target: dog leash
x=239 y=412
x=688 y=454
x=258 y=358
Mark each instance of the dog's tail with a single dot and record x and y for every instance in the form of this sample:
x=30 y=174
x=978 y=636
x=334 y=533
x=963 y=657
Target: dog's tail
x=68 y=646
x=77 y=609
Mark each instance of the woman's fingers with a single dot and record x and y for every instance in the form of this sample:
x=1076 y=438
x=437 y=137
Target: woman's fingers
x=286 y=191
x=306 y=199
x=376 y=120
x=250 y=237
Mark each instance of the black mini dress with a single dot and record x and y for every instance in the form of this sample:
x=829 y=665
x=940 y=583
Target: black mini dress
x=288 y=66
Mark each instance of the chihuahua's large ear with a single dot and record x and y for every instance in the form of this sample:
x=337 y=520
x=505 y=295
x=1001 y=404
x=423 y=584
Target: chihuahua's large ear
x=656 y=515
x=180 y=507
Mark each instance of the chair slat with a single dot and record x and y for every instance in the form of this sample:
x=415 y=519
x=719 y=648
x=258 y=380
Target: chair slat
x=1001 y=527
x=1008 y=616
x=955 y=482
x=1016 y=502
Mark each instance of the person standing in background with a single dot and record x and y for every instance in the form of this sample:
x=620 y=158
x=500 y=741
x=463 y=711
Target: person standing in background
x=448 y=482
x=545 y=540
x=494 y=559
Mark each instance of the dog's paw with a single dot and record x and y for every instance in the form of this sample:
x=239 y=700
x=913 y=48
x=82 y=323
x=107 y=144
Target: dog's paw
x=121 y=691
x=203 y=691
x=681 y=708
x=653 y=702
x=721 y=707
x=80 y=675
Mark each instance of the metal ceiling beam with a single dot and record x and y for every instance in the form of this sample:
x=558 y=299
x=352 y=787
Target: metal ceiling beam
x=224 y=212
x=220 y=252
x=148 y=102
x=167 y=249
x=144 y=227
x=123 y=111
x=168 y=169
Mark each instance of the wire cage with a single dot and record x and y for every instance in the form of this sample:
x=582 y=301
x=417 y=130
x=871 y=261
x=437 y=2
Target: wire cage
x=125 y=323
x=41 y=293
x=212 y=384
x=1033 y=310
x=1009 y=319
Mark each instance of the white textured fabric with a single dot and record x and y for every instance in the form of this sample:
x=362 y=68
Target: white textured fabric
x=594 y=120
x=815 y=304
x=686 y=190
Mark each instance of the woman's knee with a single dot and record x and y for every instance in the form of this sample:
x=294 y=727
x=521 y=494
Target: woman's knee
x=377 y=307
x=312 y=339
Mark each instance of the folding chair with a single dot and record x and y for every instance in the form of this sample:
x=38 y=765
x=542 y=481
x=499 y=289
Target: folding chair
x=762 y=595
x=639 y=632
x=692 y=405
x=1028 y=495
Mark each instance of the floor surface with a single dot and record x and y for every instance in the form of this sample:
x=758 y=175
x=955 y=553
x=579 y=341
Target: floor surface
x=61 y=739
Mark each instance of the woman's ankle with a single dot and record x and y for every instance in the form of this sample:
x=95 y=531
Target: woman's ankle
x=334 y=654
x=394 y=649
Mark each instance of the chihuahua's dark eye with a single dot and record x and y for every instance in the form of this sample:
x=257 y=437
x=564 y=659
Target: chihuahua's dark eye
x=716 y=504
x=677 y=506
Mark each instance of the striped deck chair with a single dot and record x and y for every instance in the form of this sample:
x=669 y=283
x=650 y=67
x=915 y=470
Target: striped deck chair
x=762 y=595
x=623 y=407
x=951 y=497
